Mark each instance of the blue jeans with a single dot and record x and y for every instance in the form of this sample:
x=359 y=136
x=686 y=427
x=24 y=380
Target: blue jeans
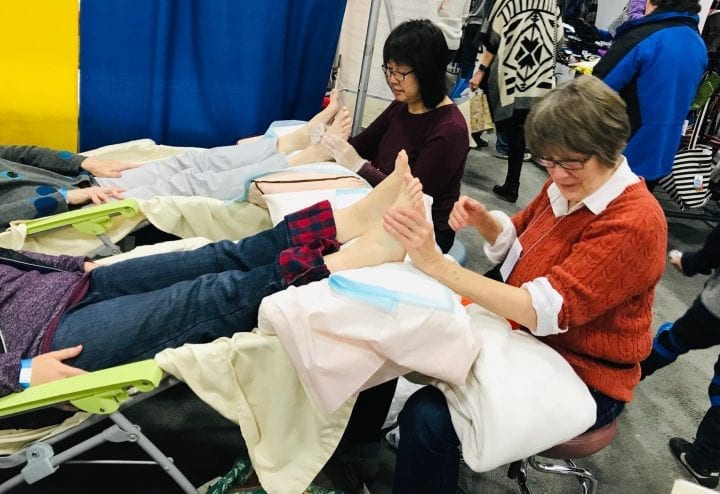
x=139 y=307
x=428 y=458
x=501 y=142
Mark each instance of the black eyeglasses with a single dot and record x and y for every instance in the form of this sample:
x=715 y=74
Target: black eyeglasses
x=567 y=163
x=395 y=74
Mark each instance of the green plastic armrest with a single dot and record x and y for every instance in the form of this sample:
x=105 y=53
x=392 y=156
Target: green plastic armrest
x=97 y=392
x=94 y=220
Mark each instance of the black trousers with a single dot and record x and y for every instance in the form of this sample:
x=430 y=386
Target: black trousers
x=514 y=128
x=698 y=328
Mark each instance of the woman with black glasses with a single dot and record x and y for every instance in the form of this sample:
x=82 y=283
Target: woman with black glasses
x=422 y=120
x=579 y=264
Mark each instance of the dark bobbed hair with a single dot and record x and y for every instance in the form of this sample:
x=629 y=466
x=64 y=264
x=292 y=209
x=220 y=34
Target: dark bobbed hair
x=421 y=45
x=677 y=5
x=583 y=115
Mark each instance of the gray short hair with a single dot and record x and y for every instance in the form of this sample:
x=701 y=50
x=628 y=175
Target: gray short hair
x=582 y=115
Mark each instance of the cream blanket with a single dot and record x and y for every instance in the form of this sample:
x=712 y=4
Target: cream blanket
x=250 y=380
x=186 y=217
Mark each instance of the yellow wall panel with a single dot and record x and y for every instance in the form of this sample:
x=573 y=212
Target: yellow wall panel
x=39 y=83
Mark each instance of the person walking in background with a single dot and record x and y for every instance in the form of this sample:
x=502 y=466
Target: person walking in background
x=517 y=75
x=656 y=64
x=698 y=328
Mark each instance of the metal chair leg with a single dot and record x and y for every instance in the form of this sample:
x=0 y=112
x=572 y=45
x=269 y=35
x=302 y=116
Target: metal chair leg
x=588 y=483
x=518 y=471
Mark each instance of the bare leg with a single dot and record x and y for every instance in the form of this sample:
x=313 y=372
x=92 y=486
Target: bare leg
x=315 y=153
x=300 y=139
x=355 y=220
x=376 y=246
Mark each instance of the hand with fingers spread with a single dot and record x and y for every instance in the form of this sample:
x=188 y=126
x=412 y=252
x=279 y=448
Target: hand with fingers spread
x=96 y=195
x=342 y=151
x=107 y=168
x=48 y=367
x=469 y=212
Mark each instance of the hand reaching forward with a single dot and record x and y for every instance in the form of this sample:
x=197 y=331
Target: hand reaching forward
x=342 y=151
x=107 y=168
x=469 y=212
x=48 y=367
x=96 y=195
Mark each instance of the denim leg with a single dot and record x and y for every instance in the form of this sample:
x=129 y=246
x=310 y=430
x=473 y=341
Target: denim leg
x=501 y=142
x=149 y=273
x=607 y=408
x=428 y=458
x=136 y=326
x=119 y=321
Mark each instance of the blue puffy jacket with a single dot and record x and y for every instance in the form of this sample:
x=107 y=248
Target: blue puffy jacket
x=656 y=64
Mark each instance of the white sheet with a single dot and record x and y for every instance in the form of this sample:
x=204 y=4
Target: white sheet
x=341 y=344
x=521 y=397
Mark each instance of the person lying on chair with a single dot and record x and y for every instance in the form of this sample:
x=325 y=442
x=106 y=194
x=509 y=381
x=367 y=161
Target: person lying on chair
x=580 y=265
x=63 y=315
x=37 y=181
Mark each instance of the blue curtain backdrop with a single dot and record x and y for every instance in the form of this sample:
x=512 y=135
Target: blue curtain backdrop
x=201 y=72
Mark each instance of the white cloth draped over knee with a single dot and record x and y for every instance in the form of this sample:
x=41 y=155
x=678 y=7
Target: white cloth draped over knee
x=520 y=398
x=250 y=380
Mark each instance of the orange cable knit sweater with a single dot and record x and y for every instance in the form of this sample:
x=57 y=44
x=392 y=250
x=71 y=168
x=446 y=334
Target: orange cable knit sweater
x=605 y=267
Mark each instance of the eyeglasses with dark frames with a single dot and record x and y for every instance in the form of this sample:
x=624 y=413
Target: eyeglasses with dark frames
x=395 y=74
x=566 y=163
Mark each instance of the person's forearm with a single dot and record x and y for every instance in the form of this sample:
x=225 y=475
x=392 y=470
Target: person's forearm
x=487 y=58
x=504 y=300
x=63 y=162
x=25 y=209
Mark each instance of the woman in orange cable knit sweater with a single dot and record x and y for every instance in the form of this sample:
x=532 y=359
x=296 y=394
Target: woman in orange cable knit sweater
x=580 y=265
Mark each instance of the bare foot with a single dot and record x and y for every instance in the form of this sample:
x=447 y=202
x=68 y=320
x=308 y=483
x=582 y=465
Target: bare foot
x=342 y=123
x=376 y=246
x=358 y=218
x=301 y=138
x=316 y=153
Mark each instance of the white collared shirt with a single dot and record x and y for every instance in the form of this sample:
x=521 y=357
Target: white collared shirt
x=547 y=301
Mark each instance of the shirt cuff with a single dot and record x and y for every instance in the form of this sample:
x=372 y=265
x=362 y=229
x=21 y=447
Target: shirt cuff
x=64 y=193
x=547 y=303
x=497 y=251
x=25 y=373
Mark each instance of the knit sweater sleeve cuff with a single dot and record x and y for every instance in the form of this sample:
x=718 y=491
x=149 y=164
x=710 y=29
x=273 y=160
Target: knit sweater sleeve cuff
x=371 y=174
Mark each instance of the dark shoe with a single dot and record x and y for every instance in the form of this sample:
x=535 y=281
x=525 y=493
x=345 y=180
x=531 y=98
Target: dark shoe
x=481 y=143
x=704 y=476
x=506 y=193
x=504 y=156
